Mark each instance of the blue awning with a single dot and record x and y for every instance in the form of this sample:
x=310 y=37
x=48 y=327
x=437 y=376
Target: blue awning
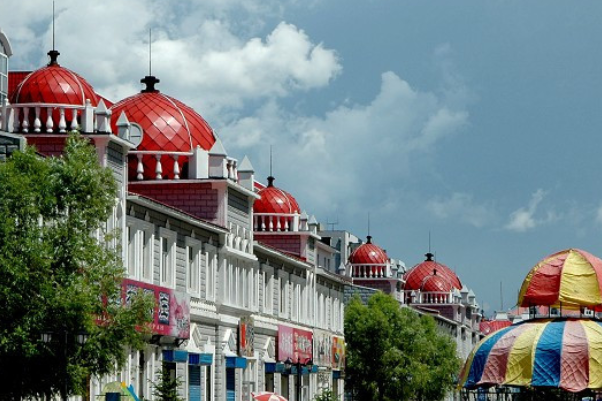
x=200 y=359
x=236 y=362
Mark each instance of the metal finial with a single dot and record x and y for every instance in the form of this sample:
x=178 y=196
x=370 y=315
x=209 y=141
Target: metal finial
x=270 y=160
x=53 y=26
x=150 y=53
x=53 y=54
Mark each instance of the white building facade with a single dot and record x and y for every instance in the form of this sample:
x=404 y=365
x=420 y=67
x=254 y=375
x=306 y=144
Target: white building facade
x=234 y=315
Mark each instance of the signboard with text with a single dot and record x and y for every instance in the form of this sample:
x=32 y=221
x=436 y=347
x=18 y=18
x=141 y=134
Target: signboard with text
x=322 y=348
x=296 y=344
x=338 y=352
x=171 y=316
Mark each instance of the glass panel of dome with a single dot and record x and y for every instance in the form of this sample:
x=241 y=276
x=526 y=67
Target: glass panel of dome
x=2 y=48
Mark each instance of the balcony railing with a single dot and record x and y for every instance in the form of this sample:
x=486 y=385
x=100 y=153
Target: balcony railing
x=54 y=118
x=368 y=271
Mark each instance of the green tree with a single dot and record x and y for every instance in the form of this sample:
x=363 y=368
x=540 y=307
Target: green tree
x=393 y=353
x=57 y=277
x=326 y=395
x=166 y=389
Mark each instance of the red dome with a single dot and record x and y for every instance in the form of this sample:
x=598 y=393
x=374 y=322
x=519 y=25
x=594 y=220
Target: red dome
x=275 y=201
x=169 y=126
x=368 y=254
x=431 y=276
x=435 y=283
x=54 y=84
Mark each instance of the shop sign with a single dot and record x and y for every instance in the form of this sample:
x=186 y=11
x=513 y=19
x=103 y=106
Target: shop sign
x=171 y=316
x=296 y=344
x=338 y=352
x=246 y=336
x=322 y=348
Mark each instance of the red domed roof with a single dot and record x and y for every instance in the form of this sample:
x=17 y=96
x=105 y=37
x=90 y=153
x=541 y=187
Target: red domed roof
x=54 y=84
x=368 y=254
x=169 y=126
x=275 y=201
x=436 y=283
x=431 y=276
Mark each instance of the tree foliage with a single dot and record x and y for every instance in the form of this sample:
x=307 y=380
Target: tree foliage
x=57 y=277
x=167 y=387
x=393 y=353
x=326 y=395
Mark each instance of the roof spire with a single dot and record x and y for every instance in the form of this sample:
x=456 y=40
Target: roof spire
x=150 y=52
x=53 y=54
x=271 y=177
x=429 y=257
x=150 y=80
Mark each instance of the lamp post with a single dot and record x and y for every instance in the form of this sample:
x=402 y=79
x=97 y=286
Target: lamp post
x=299 y=366
x=63 y=340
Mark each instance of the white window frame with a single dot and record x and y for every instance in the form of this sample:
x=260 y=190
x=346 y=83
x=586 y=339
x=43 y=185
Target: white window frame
x=283 y=298
x=167 y=257
x=140 y=242
x=212 y=262
x=193 y=267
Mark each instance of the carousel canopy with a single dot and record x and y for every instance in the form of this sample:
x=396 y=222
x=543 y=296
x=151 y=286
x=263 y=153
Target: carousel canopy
x=561 y=353
x=567 y=279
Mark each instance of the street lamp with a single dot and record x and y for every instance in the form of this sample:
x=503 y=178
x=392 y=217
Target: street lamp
x=62 y=339
x=309 y=364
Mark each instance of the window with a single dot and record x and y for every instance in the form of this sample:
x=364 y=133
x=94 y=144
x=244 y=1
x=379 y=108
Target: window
x=283 y=296
x=210 y=272
x=193 y=266
x=268 y=292
x=295 y=303
x=3 y=77
x=139 y=249
x=167 y=259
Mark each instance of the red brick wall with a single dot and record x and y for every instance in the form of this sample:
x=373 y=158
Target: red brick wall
x=48 y=145
x=197 y=199
x=285 y=243
x=384 y=286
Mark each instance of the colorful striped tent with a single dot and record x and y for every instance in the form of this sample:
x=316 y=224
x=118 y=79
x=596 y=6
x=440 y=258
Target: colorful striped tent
x=569 y=279
x=559 y=353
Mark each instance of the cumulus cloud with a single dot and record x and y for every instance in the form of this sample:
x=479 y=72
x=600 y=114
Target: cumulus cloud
x=213 y=66
x=523 y=219
x=463 y=207
x=241 y=67
x=360 y=149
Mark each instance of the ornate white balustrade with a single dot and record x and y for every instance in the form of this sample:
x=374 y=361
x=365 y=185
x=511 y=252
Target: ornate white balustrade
x=239 y=238
x=420 y=297
x=54 y=118
x=371 y=271
x=271 y=222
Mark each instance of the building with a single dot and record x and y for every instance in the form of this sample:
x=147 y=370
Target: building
x=243 y=303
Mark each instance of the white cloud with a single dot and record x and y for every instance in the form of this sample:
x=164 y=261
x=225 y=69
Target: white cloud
x=360 y=149
x=208 y=62
x=523 y=219
x=463 y=207
x=236 y=67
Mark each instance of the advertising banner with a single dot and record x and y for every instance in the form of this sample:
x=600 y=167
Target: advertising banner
x=171 y=316
x=322 y=348
x=246 y=336
x=338 y=353
x=296 y=344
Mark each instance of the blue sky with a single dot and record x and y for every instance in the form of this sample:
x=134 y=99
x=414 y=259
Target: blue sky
x=476 y=121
